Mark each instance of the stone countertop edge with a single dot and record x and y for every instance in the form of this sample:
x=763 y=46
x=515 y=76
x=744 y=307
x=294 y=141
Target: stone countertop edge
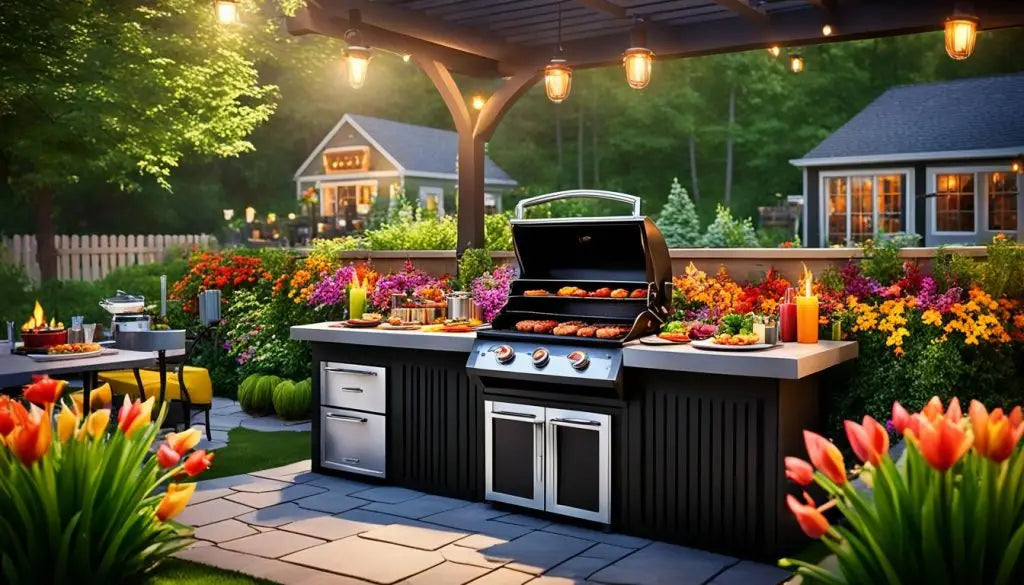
x=792 y=361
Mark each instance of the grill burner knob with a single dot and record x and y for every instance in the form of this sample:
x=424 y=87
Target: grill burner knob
x=579 y=360
x=504 y=354
x=540 y=357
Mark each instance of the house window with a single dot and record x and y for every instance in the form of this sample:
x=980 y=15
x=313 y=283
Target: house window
x=1002 y=201
x=432 y=200
x=954 y=202
x=861 y=206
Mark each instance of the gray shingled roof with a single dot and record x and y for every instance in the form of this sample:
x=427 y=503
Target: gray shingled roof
x=421 y=148
x=964 y=114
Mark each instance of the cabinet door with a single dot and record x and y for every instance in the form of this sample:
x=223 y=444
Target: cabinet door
x=578 y=464
x=353 y=386
x=514 y=454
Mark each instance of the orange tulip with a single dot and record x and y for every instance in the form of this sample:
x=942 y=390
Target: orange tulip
x=869 y=440
x=942 y=442
x=826 y=457
x=182 y=442
x=175 y=500
x=43 y=390
x=67 y=422
x=954 y=413
x=995 y=434
x=933 y=409
x=32 y=434
x=96 y=424
x=134 y=415
x=6 y=416
x=900 y=417
x=198 y=462
x=167 y=456
x=810 y=518
x=799 y=471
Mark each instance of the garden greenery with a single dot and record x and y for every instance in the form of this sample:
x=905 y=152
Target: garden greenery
x=729 y=232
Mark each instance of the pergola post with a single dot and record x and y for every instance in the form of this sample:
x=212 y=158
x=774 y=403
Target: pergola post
x=474 y=130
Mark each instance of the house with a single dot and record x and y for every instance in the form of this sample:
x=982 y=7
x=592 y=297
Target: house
x=362 y=158
x=941 y=160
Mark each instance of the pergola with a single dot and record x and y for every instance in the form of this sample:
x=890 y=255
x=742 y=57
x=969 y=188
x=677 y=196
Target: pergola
x=515 y=39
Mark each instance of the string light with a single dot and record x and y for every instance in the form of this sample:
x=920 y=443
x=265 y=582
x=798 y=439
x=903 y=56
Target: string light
x=774 y=50
x=357 y=54
x=796 y=63
x=557 y=74
x=826 y=30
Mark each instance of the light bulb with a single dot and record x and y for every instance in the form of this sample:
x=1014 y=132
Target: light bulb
x=357 y=61
x=557 y=80
x=637 y=63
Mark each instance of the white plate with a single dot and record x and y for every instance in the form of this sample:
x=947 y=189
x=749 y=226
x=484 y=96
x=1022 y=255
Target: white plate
x=710 y=344
x=46 y=357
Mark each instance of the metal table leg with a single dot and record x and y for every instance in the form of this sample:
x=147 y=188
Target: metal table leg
x=87 y=385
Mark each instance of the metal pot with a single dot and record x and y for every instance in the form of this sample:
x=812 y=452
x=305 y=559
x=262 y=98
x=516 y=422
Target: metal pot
x=123 y=303
x=460 y=306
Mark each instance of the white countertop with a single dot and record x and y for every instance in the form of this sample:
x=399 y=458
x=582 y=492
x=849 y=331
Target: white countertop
x=789 y=361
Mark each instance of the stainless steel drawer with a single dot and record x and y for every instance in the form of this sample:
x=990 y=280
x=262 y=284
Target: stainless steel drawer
x=353 y=386
x=352 y=441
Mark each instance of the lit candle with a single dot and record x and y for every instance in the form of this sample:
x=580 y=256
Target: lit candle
x=807 y=312
x=356 y=299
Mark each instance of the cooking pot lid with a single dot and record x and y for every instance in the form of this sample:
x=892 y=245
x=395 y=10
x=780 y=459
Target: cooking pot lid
x=123 y=298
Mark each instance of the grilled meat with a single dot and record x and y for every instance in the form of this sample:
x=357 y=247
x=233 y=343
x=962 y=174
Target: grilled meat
x=537 y=293
x=620 y=293
x=544 y=326
x=638 y=294
x=602 y=292
x=525 y=326
x=586 y=331
x=568 y=328
x=611 y=332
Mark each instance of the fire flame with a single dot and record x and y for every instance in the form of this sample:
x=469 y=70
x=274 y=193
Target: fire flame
x=37 y=320
x=806 y=280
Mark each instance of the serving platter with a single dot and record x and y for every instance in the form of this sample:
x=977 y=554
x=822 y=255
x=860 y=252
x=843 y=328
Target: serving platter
x=407 y=327
x=55 y=357
x=710 y=344
x=655 y=340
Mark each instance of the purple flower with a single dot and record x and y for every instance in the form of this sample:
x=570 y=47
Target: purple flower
x=929 y=298
x=333 y=289
x=404 y=282
x=889 y=426
x=490 y=290
x=857 y=284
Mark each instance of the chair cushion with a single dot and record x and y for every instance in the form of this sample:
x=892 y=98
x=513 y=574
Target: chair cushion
x=197 y=382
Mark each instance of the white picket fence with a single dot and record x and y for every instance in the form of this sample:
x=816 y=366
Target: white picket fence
x=93 y=257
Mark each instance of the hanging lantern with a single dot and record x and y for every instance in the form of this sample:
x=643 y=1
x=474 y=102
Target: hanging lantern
x=796 y=63
x=357 y=64
x=227 y=11
x=961 y=33
x=826 y=31
x=637 y=62
x=774 y=50
x=557 y=80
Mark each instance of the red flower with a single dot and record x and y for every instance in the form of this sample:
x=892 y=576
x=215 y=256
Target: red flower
x=6 y=417
x=799 y=471
x=810 y=518
x=900 y=417
x=942 y=442
x=198 y=462
x=869 y=440
x=43 y=390
x=167 y=456
x=31 y=437
x=826 y=457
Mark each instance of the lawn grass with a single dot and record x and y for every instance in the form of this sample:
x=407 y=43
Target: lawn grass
x=178 y=572
x=248 y=450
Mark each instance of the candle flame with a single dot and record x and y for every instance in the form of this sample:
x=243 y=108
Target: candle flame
x=806 y=280
x=37 y=320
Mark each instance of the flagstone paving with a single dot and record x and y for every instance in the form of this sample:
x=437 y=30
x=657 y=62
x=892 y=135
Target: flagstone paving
x=226 y=414
x=295 y=527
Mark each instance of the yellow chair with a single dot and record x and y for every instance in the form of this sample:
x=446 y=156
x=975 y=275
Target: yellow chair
x=197 y=393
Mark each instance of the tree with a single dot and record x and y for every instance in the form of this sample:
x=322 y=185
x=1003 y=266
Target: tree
x=120 y=91
x=729 y=232
x=678 y=219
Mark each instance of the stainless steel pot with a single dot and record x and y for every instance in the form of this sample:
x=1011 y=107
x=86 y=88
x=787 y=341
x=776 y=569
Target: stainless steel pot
x=460 y=305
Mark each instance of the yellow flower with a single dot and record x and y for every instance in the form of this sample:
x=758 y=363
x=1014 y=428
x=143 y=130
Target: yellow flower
x=96 y=424
x=67 y=422
x=932 y=317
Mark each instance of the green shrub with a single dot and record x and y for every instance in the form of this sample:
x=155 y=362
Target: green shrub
x=882 y=259
x=263 y=393
x=729 y=232
x=473 y=264
x=678 y=219
x=292 y=399
x=951 y=269
x=497 y=232
x=1003 y=273
x=15 y=291
x=247 y=391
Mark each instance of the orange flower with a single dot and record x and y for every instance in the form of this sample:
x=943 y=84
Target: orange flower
x=96 y=424
x=810 y=518
x=67 y=422
x=942 y=441
x=933 y=409
x=6 y=416
x=32 y=434
x=134 y=415
x=826 y=457
x=175 y=500
x=995 y=435
x=954 y=413
x=43 y=390
x=167 y=456
x=182 y=442
x=198 y=462
x=799 y=471
x=869 y=440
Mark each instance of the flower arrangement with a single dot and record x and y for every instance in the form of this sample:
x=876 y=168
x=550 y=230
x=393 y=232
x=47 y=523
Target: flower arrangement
x=409 y=281
x=226 y=271
x=490 y=290
x=951 y=510
x=80 y=501
x=309 y=196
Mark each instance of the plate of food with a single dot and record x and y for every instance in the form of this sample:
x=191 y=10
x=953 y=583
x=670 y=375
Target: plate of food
x=671 y=333
x=723 y=343
x=68 y=351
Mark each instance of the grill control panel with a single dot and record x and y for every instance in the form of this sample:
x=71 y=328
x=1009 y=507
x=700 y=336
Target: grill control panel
x=552 y=363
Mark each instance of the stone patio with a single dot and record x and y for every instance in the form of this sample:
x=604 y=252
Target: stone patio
x=299 y=528
x=227 y=414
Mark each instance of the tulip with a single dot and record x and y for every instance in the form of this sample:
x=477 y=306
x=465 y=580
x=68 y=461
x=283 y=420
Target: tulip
x=100 y=397
x=799 y=471
x=810 y=518
x=900 y=417
x=198 y=462
x=67 y=422
x=96 y=424
x=181 y=443
x=942 y=442
x=995 y=435
x=826 y=457
x=870 y=441
x=933 y=409
x=134 y=415
x=43 y=390
x=167 y=457
x=954 y=413
x=175 y=500
x=6 y=416
x=31 y=437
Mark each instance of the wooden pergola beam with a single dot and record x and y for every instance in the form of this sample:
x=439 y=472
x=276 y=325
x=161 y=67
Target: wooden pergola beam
x=605 y=6
x=744 y=9
x=826 y=6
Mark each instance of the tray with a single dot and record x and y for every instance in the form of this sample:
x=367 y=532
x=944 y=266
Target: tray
x=709 y=344
x=655 y=340
x=45 y=357
x=389 y=327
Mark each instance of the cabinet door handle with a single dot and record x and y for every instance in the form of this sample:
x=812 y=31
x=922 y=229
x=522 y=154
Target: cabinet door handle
x=350 y=460
x=344 y=418
x=351 y=371
x=577 y=421
x=352 y=389
x=515 y=414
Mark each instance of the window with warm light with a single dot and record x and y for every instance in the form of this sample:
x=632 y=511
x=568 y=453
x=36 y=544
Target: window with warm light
x=1002 y=201
x=860 y=207
x=954 y=202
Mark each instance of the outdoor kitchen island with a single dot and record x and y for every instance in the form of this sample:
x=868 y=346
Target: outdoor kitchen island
x=687 y=448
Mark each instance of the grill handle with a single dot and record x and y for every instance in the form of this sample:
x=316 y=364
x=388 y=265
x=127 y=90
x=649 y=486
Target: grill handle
x=579 y=194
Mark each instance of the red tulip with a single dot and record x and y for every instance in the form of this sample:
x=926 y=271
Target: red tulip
x=799 y=471
x=900 y=417
x=198 y=462
x=6 y=416
x=954 y=413
x=933 y=409
x=869 y=440
x=134 y=415
x=995 y=434
x=811 y=520
x=32 y=434
x=43 y=390
x=167 y=456
x=942 y=442
x=826 y=457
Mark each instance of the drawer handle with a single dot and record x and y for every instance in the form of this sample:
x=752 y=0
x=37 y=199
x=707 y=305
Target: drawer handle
x=515 y=414
x=351 y=371
x=352 y=389
x=577 y=421
x=350 y=460
x=345 y=418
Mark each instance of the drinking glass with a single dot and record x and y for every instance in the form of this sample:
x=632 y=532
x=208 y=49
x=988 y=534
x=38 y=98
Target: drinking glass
x=88 y=330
